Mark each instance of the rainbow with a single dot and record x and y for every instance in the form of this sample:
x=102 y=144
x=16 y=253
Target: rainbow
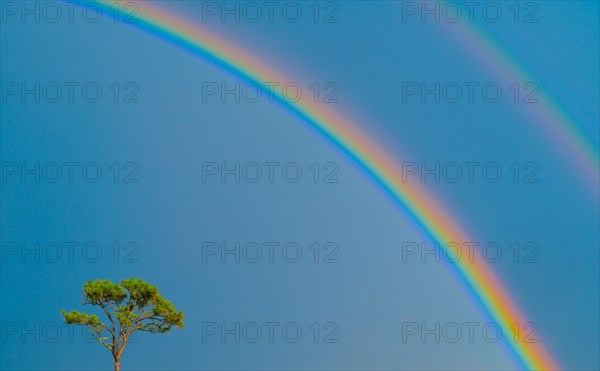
x=560 y=127
x=382 y=167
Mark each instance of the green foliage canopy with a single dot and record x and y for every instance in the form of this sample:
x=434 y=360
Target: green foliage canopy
x=133 y=305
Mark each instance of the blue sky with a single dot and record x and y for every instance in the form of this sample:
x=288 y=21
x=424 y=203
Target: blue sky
x=163 y=141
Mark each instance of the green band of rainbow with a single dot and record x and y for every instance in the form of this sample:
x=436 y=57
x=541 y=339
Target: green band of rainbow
x=384 y=168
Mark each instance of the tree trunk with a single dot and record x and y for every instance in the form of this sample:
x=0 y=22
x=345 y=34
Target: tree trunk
x=117 y=365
